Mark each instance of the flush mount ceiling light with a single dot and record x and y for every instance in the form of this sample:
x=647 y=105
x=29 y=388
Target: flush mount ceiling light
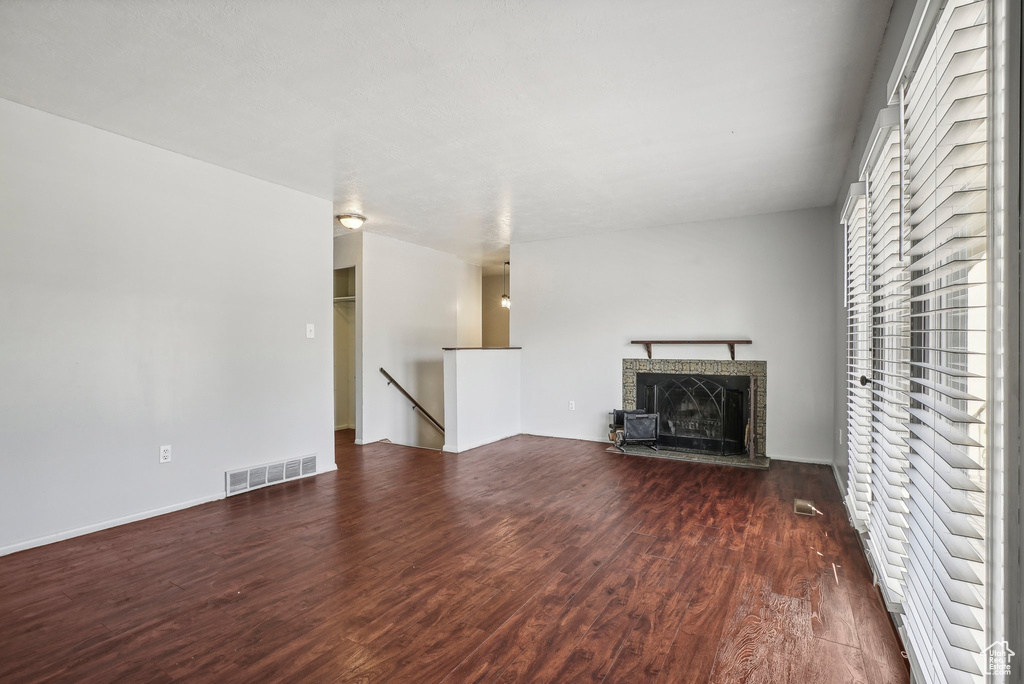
x=351 y=221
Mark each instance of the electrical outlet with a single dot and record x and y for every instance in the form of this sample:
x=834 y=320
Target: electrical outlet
x=165 y=454
x=310 y=331
x=572 y=405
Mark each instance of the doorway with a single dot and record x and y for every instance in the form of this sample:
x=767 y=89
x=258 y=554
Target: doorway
x=345 y=348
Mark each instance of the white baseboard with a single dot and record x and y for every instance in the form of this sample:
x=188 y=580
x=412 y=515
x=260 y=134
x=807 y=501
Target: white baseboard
x=343 y=427
x=802 y=459
x=474 y=445
x=774 y=457
x=408 y=446
x=113 y=522
x=839 y=483
x=603 y=440
x=124 y=520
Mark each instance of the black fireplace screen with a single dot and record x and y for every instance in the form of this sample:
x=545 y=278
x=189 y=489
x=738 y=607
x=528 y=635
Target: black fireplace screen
x=707 y=413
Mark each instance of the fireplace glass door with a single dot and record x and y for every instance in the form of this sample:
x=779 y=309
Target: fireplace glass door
x=704 y=413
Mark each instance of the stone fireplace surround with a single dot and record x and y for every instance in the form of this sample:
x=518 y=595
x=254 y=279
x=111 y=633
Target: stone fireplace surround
x=755 y=369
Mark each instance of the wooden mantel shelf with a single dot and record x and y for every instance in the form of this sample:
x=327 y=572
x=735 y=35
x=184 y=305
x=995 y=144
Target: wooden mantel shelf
x=731 y=344
x=477 y=348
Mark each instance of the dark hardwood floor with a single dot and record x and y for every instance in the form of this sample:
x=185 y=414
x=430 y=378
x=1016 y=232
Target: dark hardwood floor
x=530 y=560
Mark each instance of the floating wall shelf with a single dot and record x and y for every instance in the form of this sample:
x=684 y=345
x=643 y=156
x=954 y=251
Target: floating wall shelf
x=648 y=344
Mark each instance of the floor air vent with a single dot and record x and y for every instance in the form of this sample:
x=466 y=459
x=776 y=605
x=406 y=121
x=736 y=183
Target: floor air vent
x=804 y=507
x=246 y=479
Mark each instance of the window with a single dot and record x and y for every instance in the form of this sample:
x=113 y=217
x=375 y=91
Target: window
x=947 y=114
x=922 y=324
x=858 y=396
x=890 y=354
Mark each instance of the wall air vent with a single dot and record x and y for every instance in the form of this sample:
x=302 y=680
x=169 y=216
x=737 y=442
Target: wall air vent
x=257 y=477
x=254 y=477
x=238 y=481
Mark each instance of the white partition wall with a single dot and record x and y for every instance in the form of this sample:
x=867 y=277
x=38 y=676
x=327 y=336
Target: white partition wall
x=149 y=299
x=481 y=397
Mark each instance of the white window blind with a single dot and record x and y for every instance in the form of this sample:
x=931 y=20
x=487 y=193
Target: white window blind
x=890 y=356
x=858 y=398
x=923 y=287
x=946 y=125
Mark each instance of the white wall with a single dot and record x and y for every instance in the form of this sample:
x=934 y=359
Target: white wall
x=482 y=399
x=495 y=316
x=147 y=298
x=769 y=278
x=409 y=298
x=468 y=312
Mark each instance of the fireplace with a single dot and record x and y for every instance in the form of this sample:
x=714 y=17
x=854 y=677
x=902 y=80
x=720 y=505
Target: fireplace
x=703 y=413
x=704 y=407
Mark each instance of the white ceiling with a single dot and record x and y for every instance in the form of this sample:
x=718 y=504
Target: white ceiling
x=464 y=125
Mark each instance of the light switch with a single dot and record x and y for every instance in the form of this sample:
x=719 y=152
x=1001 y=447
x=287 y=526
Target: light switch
x=310 y=331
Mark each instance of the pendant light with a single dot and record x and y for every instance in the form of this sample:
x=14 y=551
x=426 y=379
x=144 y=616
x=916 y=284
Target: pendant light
x=506 y=301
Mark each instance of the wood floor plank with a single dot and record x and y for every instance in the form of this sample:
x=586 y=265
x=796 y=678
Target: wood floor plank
x=765 y=633
x=606 y=605
x=828 y=661
x=591 y=657
x=879 y=647
x=831 y=610
x=529 y=560
x=649 y=644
